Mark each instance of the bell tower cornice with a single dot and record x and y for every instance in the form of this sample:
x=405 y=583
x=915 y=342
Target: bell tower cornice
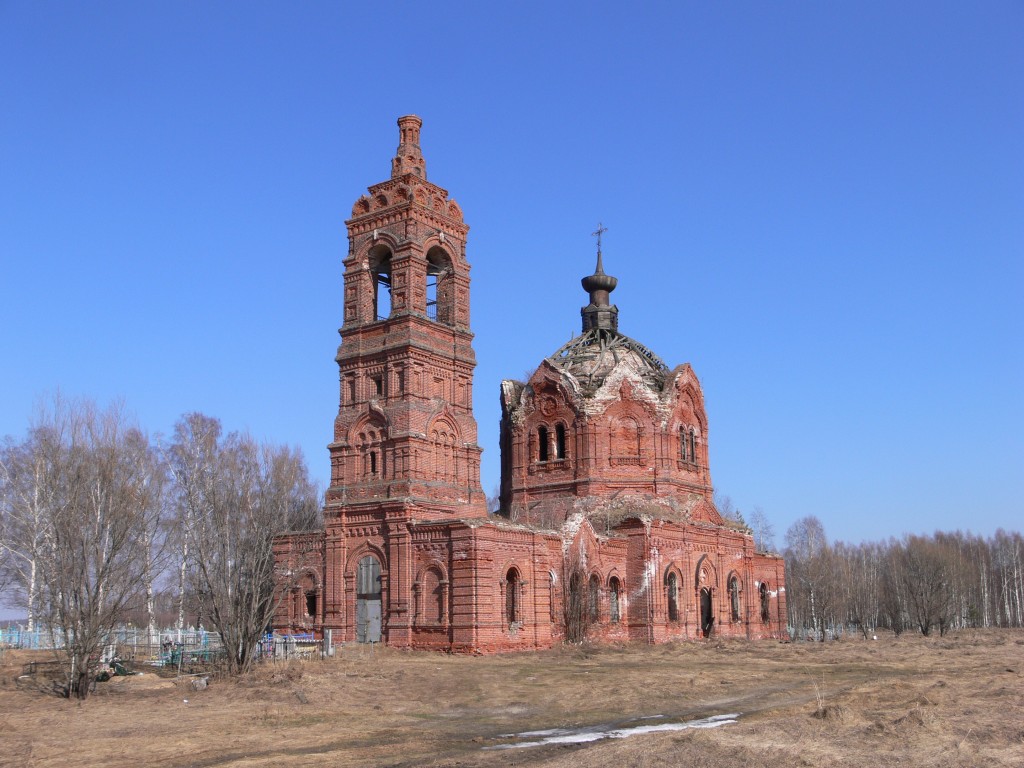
x=407 y=196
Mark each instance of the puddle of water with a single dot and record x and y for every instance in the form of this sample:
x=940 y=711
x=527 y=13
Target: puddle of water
x=598 y=732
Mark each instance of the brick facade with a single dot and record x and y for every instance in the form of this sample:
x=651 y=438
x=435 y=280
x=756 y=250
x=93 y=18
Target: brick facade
x=606 y=508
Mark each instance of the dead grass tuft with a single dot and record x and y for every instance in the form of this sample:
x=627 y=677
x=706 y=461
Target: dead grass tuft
x=915 y=718
x=832 y=712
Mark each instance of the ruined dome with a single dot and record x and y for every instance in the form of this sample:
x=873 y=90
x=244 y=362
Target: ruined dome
x=595 y=353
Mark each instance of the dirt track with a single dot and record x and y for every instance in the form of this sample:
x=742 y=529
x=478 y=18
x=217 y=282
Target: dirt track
x=954 y=701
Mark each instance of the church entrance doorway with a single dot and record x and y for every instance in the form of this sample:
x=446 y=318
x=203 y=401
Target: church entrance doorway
x=707 y=616
x=368 y=601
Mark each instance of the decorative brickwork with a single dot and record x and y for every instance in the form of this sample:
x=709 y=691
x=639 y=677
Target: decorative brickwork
x=607 y=527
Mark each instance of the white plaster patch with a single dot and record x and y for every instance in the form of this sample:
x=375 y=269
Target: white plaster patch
x=570 y=528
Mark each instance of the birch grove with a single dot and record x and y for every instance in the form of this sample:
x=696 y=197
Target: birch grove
x=918 y=583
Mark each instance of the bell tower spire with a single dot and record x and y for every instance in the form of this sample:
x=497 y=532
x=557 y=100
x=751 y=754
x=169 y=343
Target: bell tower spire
x=409 y=158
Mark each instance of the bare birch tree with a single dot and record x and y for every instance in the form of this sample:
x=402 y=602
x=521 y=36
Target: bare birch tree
x=80 y=490
x=234 y=497
x=764 y=531
x=807 y=572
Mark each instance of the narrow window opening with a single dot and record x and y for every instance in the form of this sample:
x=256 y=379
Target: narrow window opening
x=542 y=437
x=707 y=612
x=560 y=441
x=693 y=447
x=734 y=597
x=683 y=444
x=673 y=597
x=378 y=385
x=762 y=591
x=551 y=595
x=511 y=596
x=373 y=462
x=613 y=600
x=311 y=603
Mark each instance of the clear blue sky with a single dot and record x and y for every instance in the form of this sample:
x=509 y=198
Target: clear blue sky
x=820 y=206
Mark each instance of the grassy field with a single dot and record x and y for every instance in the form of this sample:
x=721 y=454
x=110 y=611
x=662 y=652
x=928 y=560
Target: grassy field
x=907 y=701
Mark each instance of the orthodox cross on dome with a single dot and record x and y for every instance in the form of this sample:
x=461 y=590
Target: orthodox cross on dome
x=601 y=229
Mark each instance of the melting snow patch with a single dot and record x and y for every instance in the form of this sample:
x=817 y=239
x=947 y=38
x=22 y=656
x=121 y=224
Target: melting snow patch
x=598 y=732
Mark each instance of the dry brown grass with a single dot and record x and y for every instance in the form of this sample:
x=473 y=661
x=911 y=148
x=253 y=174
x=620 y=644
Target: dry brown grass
x=954 y=701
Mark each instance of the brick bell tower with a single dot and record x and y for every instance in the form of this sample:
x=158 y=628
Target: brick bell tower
x=405 y=439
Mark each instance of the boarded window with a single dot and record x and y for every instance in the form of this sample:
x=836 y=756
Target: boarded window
x=433 y=597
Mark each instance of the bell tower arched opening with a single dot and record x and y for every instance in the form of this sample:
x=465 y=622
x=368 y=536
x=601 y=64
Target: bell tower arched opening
x=380 y=274
x=440 y=290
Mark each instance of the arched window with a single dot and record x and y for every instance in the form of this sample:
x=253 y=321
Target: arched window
x=560 y=441
x=734 y=597
x=613 y=600
x=707 y=612
x=693 y=447
x=512 y=596
x=672 y=586
x=594 y=598
x=764 y=594
x=542 y=444
x=308 y=595
x=684 y=444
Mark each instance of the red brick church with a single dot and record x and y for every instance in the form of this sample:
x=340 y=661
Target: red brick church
x=606 y=529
